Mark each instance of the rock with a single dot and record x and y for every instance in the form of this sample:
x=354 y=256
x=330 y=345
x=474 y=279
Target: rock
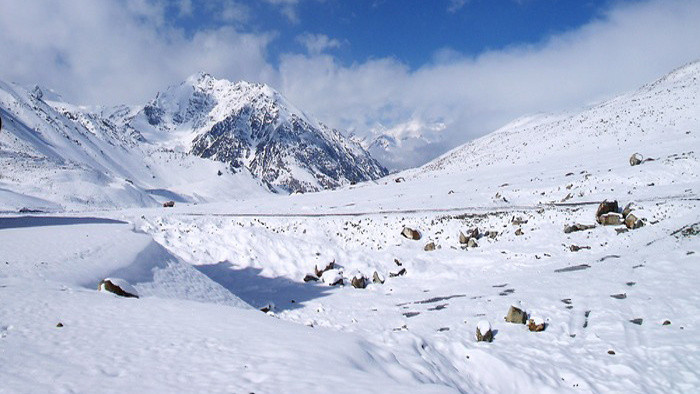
x=118 y=286
x=627 y=209
x=638 y=321
x=59 y=325
x=621 y=230
x=516 y=315
x=378 y=278
x=666 y=323
x=576 y=248
x=519 y=231
x=636 y=159
x=463 y=239
x=328 y=267
x=632 y=222
x=611 y=352
x=168 y=204
x=606 y=207
x=401 y=272
x=473 y=233
x=411 y=233
x=310 y=278
x=358 y=281
x=472 y=243
x=577 y=227
x=610 y=219
x=491 y=234
x=536 y=324
x=517 y=221
x=267 y=308
x=484 y=332
x=400 y=179
x=332 y=277
x=430 y=246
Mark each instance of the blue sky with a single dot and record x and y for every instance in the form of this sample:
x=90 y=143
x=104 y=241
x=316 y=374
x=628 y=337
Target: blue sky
x=430 y=74
x=412 y=31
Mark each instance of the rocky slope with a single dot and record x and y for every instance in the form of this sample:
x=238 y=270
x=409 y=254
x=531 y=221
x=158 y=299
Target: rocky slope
x=251 y=126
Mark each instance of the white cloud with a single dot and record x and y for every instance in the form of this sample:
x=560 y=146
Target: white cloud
x=99 y=51
x=317 y=43
x=623 y=49
x=111 y=52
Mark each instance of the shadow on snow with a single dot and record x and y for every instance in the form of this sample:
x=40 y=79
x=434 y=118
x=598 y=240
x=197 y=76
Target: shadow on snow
x=258 y=290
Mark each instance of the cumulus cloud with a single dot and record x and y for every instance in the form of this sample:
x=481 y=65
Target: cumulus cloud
x=99 y=51
x=624 y=48
x=317 y=43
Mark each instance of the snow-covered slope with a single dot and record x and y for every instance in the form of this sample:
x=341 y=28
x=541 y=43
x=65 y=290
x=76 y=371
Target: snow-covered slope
x=251 y=126
x=650 y=121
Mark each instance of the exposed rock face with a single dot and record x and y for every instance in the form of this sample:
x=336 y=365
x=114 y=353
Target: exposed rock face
x=117 y=286
x=411 y=233
x=516 y=315
x=251 y=126
x=606 y=207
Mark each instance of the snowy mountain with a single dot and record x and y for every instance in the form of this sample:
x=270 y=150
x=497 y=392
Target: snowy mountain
x=251 y=126
x=203 y=140
x=646 y=121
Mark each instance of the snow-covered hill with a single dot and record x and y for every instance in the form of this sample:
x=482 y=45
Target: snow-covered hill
x=619 y=306
x=251 y=126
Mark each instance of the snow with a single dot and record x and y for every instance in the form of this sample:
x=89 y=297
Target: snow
x=483 y=326
x=203 y=270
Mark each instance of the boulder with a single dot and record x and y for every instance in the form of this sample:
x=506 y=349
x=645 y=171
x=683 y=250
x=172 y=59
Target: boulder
x=627 y=209
x=610 y=219
x=516 y=315
x=359 y=281
x=332 y=277
x=536 y=324
x=310 y=278
x=472 y=243
x=430 y=246
x=484 y=332
x=491 y=234
x=636 y=159
x=411 y=233
x=463 y=239
x=519 y=231
x=378 y=278
x=606 y=207
x=517 y=221
x=401 y=272
x=118 y=286
x=577 y=227
x=632 y=222
x=328 y=267
x=168 y=204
